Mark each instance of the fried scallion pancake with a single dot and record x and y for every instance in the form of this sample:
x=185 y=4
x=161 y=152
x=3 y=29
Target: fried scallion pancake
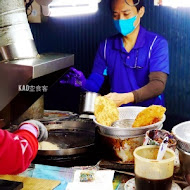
x=105 y=111
x=150 y=115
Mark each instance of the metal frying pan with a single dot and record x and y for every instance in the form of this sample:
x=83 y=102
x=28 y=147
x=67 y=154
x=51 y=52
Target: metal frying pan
x=71 y=138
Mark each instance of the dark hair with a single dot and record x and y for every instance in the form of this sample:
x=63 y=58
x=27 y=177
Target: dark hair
x=141 y=4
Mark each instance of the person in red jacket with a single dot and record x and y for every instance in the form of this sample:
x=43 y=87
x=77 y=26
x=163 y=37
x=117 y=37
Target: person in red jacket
x=18 y=149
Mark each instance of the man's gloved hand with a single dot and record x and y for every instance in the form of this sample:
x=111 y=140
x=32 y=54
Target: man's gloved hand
x=74 y=77
x=36 y=128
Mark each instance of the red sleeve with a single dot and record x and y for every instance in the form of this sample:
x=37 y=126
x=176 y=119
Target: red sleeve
x=16 y=151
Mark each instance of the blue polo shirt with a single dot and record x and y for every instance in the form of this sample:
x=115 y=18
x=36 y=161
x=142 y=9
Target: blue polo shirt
x=129 y=71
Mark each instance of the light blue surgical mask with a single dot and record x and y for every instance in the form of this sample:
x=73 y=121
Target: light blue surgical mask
x=125 y=26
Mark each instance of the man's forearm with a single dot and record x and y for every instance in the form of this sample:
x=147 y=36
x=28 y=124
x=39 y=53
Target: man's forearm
x=156 y=85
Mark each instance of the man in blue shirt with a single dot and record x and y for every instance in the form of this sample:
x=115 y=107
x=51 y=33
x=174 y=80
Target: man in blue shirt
x=135 y=60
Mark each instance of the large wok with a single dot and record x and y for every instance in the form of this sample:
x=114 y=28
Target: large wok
x=72 y=137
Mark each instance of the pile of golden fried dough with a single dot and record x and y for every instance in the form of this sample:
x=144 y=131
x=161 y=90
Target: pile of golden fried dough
x=106 y=113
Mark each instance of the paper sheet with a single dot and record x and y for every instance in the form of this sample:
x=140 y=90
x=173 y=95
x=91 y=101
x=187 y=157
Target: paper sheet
x=102 y=181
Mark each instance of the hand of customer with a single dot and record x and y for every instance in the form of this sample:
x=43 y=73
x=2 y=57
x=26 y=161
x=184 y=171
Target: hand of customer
x=36 y=128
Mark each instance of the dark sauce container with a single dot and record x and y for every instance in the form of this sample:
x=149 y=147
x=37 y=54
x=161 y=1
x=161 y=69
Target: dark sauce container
x=151 y=174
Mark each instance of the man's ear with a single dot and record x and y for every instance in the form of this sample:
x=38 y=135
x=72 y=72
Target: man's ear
x=141 y=12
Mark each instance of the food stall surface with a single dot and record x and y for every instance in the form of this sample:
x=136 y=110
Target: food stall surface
x=59 y=174
x=58 y=178
x=65 y=166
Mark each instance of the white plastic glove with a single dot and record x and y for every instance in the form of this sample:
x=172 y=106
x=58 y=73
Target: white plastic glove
x=36 y=128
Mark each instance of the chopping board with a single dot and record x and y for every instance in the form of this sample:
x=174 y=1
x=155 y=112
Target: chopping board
x=30 y=183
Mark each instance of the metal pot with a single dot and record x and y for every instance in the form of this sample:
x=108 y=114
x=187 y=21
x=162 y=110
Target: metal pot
x=117 y=144
x=182 y=134
x=184 y=162
x=87 y=102
x=118 y=149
